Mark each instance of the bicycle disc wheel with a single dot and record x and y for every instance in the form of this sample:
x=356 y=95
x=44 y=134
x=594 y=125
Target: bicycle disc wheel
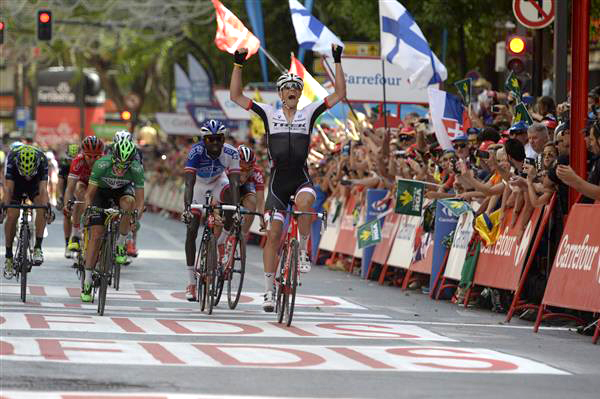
x=282 y=291
x=211 y=266
x=292 y=279
x=235 y=274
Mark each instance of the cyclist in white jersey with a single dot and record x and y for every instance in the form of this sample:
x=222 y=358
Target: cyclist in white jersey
x=211 y=166
x=288 y=133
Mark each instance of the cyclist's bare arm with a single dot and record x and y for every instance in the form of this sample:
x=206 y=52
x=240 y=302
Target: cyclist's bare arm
x=90 y=194
x=71 y=183
x=190 y=180
x=260 y=201
x=340 y=86
x=235 y=86
x=9 y=188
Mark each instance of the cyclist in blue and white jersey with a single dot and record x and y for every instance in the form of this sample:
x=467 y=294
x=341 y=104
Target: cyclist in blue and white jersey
x=288 y=133
x=211 y=166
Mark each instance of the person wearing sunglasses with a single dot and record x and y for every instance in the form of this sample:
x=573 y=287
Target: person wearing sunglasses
x=117 y=178
x=288 y=131
x=92 y=149
x=211 y=166
x=461 y=147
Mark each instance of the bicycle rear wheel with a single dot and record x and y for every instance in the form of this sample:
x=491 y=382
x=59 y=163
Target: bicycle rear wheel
x=106 y=260
x=23 y=260
x=102 y=294
x=282 y=290
x=211 y=266
x=235 y=274
x=292 y=279
x=200 y=268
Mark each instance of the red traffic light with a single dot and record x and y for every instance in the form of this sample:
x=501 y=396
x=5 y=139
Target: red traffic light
x=44 y=17
x=516 y=45
x=1 y=25
x=125 y=115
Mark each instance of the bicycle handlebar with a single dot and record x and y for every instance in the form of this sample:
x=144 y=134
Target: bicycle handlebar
x=226 y=207
x=25 y=206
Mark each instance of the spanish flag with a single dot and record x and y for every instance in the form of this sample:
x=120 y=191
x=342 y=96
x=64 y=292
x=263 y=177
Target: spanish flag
x=313 y=91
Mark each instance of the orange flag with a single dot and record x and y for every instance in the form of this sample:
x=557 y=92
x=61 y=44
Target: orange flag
x=231 y=32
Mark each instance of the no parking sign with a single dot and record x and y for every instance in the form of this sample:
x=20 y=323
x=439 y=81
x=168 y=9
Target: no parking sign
x=534 y=14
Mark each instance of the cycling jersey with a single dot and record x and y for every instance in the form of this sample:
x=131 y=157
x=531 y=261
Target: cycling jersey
x=80 y=169
x=209 y=170
x=288 y=143
x=253 y=176
x=104 y=177
x=64 y=165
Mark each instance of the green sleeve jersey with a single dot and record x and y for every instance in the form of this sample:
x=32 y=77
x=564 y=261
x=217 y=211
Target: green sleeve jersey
x=104 y=177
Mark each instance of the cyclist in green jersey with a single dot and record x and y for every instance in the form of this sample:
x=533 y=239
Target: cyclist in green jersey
x=115 y=177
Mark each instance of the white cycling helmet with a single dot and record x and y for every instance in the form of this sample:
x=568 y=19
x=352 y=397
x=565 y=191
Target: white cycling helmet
x=289 y=78
x=122 y=135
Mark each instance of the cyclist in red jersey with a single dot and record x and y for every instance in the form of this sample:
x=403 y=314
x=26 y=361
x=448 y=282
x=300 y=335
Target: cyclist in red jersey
x=252 y=186
x=81 y=168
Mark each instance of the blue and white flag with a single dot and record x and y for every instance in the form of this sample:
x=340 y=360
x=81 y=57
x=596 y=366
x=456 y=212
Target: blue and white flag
x=447 y=116
x=403 y=44
x=310 y=32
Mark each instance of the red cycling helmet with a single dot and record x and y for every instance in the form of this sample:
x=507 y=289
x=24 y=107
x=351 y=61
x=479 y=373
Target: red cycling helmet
x=246 y=154
x=92 y=145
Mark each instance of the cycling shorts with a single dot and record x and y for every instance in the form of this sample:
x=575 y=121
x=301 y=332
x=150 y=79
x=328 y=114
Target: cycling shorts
x=25 y=190
x=282 y=185
x=103 y=199
x=216 y=188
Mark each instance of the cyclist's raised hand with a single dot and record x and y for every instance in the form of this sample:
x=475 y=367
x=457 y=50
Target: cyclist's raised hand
x=239 y=57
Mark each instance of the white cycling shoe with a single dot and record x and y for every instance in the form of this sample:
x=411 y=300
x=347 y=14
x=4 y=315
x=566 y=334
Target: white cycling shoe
x=269 y=302
x=304 y=262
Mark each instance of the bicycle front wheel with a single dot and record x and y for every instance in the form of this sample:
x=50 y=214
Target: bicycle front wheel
x=106 y=261
x=292 y=279
x=282 y=289
x=235 y=274
x=23 y=260
x=102 y=294
x=117 y=275
x=211 y=265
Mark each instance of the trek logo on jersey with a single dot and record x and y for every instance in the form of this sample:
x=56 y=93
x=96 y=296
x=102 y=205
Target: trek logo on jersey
x=113 y=182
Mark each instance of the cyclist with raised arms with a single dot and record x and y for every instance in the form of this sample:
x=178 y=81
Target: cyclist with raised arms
x=26 y=179
x=288 y=133
x=64 y=165
x=79 y=175
x=120 y=178
x=211 y=166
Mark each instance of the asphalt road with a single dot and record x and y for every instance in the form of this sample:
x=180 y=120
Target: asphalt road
x=350 y=339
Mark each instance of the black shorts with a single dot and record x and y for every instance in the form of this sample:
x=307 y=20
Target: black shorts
x=285 y=183
x=25 y=190
x=106 y=198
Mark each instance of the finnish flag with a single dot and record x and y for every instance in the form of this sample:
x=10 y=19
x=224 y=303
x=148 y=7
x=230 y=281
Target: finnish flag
x=403 y=44
x=310 y=32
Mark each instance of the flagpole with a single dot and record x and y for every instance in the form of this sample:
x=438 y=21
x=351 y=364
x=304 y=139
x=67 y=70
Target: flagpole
x=281 y=68
x=345 y=100
x=385 y=125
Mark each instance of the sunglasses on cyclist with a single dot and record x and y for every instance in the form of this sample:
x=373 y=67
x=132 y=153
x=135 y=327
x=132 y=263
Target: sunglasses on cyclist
x=214 y=139
x=121 y=165
x=291 y=86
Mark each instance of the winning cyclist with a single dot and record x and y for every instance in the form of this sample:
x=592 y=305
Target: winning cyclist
x=207 y=168
x=64 y=165
x=139 y=156
x=79 y=175
x=252 y=189
x=115 y=177
x=288 y=137
x=26 y=179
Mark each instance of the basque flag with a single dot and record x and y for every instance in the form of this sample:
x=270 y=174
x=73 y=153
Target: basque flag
x=448 y=116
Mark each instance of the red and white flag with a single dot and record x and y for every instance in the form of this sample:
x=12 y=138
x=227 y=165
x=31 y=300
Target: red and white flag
x=231 y=32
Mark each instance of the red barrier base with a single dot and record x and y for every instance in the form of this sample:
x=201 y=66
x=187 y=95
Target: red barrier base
x=543 y=314
x=520 y=305
x=444 y=285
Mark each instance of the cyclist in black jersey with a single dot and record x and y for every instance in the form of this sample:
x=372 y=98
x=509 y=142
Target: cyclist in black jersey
x=64 y=164
x=288 y=133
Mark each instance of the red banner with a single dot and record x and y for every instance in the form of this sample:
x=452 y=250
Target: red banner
x=60 y=124
x=388 y=233
x=574 y=281
x=501 y=264
x=346 y=240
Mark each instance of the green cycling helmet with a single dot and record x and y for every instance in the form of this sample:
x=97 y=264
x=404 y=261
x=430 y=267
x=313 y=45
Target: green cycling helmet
x=72 y=150
x=28 y=160
x=123 y=152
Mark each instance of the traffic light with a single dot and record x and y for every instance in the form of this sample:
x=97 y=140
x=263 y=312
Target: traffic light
x=518 y=53
x=126 y=115
x=2 y=32
x=44 y=25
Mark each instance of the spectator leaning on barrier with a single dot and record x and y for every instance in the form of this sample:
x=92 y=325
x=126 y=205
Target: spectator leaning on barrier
x=538 y=137
x=590 y=188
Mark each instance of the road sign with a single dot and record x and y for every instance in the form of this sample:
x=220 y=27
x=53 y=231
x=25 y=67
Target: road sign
x=21 y=117
x=534 y=14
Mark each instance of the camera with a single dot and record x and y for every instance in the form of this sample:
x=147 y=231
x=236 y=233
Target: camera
x=346 y=149
x=529 y=161
x=482 y=154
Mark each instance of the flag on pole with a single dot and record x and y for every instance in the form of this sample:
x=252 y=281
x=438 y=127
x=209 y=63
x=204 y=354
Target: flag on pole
x=522 y=115
x=312 y=91
x=183 y=89
x=409 y=197
x=448 y=116
x=513 y=86
x=310 y=32
x=455 y=206
x=200 y=81
x=369 y=234
x=403 y=44
x=464 y=89
x=231 y=32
